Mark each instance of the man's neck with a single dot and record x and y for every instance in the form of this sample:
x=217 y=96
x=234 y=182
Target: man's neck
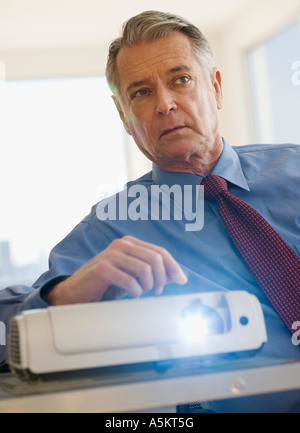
x=198 y=164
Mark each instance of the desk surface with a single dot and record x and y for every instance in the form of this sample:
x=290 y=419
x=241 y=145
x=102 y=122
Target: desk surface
x=143 y=388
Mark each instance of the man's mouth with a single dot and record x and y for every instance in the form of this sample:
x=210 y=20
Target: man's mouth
x=171 y=130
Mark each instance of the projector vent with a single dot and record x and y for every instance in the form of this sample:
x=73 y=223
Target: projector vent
x=14 y=343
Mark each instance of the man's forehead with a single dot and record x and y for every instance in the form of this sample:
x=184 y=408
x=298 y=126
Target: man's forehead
x=168 y=55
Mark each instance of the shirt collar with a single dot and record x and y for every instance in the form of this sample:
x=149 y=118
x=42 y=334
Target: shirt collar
x=228 y=167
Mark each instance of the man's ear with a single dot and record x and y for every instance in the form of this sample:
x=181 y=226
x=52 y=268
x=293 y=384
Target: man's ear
x=217 y=85
x=121 y=113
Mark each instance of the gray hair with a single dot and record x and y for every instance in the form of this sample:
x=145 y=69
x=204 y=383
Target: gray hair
x=150 y=26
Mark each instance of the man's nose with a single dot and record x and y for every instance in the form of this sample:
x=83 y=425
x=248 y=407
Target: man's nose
x=165 y=102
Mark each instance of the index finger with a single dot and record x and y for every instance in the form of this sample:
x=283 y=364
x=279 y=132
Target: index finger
x=173 y=270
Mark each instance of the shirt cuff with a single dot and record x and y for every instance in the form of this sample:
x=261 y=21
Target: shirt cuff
x=35 y=298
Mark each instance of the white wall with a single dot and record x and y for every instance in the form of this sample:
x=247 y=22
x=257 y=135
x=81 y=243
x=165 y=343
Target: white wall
x=54 y=62
x=257 y=23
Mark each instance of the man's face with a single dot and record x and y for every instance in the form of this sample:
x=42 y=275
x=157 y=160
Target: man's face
x=166 y=103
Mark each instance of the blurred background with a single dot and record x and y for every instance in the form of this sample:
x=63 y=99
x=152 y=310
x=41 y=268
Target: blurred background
x=62 y=144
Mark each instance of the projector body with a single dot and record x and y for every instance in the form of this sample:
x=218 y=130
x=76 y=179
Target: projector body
x=130 y=331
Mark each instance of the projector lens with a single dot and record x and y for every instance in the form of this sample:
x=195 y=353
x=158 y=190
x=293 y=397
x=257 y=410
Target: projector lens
x=200 y=320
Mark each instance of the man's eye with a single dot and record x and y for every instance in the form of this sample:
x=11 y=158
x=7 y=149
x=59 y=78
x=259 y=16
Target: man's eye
x=139 y=93
x=182 y=80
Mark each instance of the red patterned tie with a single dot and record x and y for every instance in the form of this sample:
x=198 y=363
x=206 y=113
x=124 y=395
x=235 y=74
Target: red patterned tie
x=271 y=261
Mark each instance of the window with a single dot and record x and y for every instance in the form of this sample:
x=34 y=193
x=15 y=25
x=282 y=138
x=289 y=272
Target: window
x=274 y=78
x=62 y=150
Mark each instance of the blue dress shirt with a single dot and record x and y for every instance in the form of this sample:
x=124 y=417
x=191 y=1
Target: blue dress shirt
x=265 y=176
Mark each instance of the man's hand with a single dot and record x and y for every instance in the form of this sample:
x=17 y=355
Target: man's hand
x=126 y=266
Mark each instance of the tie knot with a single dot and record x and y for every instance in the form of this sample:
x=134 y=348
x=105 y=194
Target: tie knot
x=214 y=186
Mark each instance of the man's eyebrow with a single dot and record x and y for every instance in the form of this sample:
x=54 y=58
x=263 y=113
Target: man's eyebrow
x=179 y=68
x=135 y=84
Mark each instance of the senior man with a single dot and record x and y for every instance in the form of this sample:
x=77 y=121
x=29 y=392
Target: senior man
x=168 y=93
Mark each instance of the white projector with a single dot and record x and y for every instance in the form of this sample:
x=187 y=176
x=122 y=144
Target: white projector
x=86 y=336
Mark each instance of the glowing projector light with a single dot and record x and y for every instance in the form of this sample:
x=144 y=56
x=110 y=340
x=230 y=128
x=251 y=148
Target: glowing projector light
x=195 y=328
x=200 y=320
